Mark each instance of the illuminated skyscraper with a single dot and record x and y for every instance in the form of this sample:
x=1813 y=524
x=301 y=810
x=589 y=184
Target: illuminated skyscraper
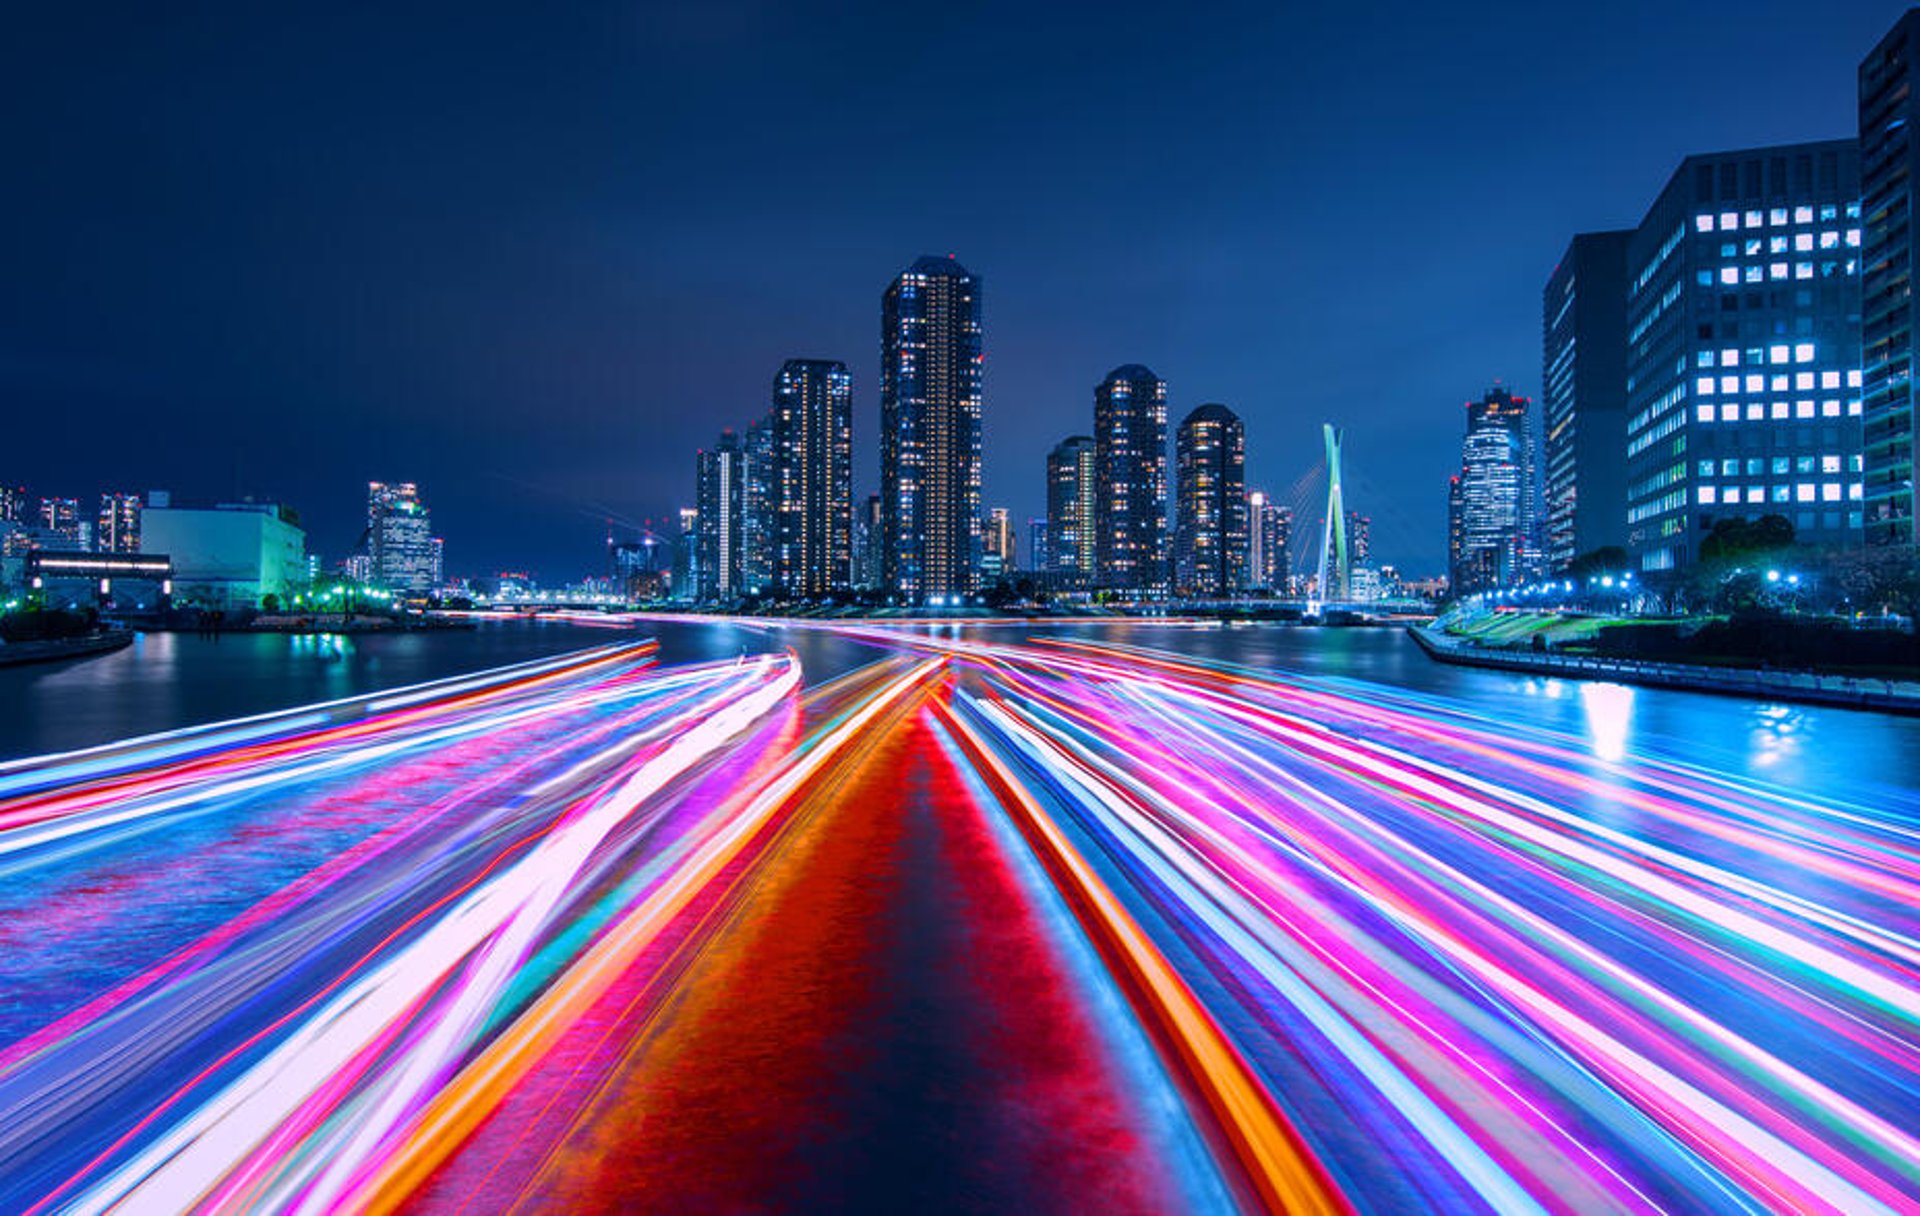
x=998 y=557
x=812 y=478
x=1071 y=490
x=399 y=538
x=930 y=431
x=720 y=477
x=759 y=503
x=1359 y=537
x=1584 y=399
x=1210 y=534
x=117 y=527
x=60 y=524
x=1890 y=254
x=1130 y=481
x=1492 y=471
x=1743 y=361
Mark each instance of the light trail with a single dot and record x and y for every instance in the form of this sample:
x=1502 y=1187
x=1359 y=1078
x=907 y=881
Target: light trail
x=991 y=922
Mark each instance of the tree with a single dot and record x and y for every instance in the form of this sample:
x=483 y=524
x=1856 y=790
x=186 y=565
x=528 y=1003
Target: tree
x=1736 y=537
x=1608 y=559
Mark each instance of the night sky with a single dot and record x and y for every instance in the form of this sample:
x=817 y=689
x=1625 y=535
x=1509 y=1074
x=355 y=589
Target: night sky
x=533 y=258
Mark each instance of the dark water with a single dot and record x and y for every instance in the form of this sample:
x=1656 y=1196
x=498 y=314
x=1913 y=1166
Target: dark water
x=165 y=681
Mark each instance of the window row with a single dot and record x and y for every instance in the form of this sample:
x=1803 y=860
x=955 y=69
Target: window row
x=1777 y=382
x=1731 y=221
x=1733 y=276
x=1805 y=491
x=1778 y=411
x=1755 y=466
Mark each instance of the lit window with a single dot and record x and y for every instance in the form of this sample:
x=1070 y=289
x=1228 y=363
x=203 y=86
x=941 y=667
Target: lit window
x=1778 y=384
x=1706 y=468
x=1803 y=409
x=1829 y=463
x=1803 y=492
x=1781 y=465
x=1781 y=493
x=1803 y=242
x=1803 y=270
x=1853 y=408
x=1855 y=463
x=1829 y=212
x=1830 y=492
x=1729 y=358
x=1703 y=413
x=1703 y=223
x=1777 y=216
x=1755 y=411
x=1829 y=409
x=1730 y=468
x=1756 y=384
x=1730 y=275
x=1703 y=277
x=1703 y=386
x=1755 y=219
x=1777 y=270
x=1856 y=492
x=1753 y=246
x=1803 y=352
x=1703 y=359
x=1803 y=215
x=1803 y=381
x=1779 y=354
x=1803 y=464
x=1729 y=384
x=1829 y=240
x=1730 y=413
x=1706 y=495
x=1829 y=379
x=1853 y=378
x=1779 y=409
x=1754 y=274
x=1729 y=220
x=1853 y=238
x=1776 y=244
x=1853 y=211
x=1756 y=493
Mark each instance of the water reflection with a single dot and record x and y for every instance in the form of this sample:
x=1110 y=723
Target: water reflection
x=1609 y=718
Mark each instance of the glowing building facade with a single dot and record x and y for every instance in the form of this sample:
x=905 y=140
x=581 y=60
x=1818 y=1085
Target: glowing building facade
x=930 y=393
x=1130 y=482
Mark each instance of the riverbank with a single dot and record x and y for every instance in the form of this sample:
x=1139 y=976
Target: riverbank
x=1812 y=688
x=14 y=654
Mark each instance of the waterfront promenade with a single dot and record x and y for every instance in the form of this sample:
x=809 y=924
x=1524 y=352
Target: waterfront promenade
x=945 y=919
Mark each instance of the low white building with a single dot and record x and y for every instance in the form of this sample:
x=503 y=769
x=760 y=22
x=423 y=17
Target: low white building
x=231 y=556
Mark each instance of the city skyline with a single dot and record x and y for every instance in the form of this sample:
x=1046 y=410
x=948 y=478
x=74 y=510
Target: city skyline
x=579 y=391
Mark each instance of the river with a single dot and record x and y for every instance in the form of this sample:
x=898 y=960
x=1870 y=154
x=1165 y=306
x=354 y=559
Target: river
x=169 y=680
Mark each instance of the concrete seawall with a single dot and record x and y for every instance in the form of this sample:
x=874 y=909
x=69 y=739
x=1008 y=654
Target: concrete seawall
x=1851 y=692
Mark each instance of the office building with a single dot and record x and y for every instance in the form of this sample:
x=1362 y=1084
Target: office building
x=1359 y=538
x=1269 y=544
x=1037 y=545
x=117 y=525
x=1210 y=533
x=1130 y=482
x=930 y=378
x=998 y=557
x=400 y=547
x=1486 y=503
x=686 y=561
x=719 y=494
x=759 y=505
x=60 y=527
x=1584 y=399
x=1743 y=351
x=812 y=478
x=1071 y=491
x=1456 y=534
x=1890 y=266
x=230 y=557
